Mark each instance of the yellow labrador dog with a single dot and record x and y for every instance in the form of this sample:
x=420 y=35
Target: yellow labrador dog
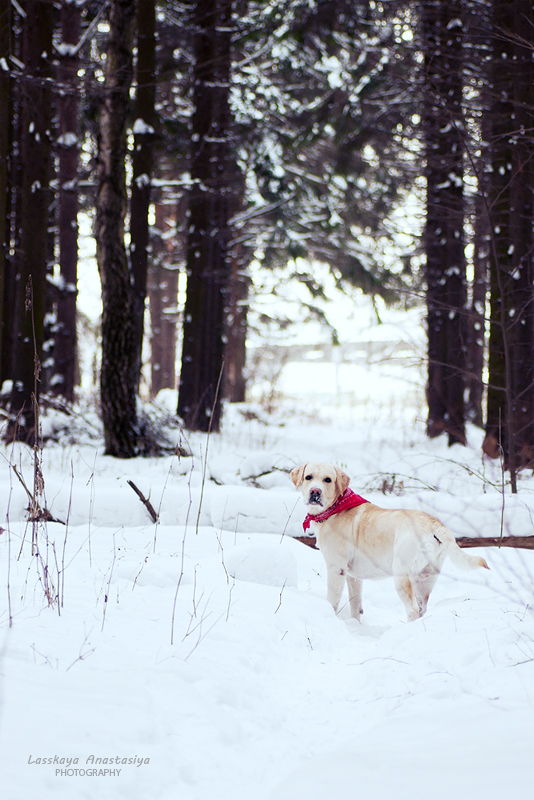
x=360 y=540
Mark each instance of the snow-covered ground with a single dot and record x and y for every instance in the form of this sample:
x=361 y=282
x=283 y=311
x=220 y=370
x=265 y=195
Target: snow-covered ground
x=197 y=658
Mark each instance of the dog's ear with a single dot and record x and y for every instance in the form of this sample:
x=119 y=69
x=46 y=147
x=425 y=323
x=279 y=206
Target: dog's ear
x=297 y=475
x=342 y=481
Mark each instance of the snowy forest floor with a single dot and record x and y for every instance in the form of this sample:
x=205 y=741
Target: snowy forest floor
x=203 y=645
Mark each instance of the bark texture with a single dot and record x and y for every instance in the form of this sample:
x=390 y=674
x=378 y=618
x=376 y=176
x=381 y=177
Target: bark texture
x=510 y=403
x=210 y=209
x=63 y=378
x=163 y=293
x=444 y=231
x=31 y=257
x=142 y=163
x=118 y=380
x=5 y=128
x=236 y=349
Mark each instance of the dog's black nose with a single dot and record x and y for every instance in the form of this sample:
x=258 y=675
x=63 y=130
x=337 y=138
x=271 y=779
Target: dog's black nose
x=315 y=497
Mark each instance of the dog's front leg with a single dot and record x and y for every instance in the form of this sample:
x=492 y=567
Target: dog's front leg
x=355 y=597
x=336 y=582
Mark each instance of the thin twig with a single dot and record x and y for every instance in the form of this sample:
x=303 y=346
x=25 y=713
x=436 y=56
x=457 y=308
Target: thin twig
x=207 y=446
x=182 y=562
x=62 y=600
x=37 y=514
x=281 y=592
x=106 y=595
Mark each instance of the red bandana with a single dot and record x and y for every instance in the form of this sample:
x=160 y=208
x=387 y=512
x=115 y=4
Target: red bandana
x=348 y=499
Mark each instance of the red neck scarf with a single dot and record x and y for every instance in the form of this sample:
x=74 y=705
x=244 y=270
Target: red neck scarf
x=348 y=499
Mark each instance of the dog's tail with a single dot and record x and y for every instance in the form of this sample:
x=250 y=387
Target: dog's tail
x=461 y=559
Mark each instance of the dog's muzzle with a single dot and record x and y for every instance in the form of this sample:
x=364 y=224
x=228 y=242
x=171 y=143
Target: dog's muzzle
x=315 y=497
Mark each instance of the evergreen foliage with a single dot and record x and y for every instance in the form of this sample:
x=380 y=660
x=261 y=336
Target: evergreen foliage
x=288 y=132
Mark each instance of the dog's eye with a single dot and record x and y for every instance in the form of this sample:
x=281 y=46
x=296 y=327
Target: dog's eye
x=308 y=478
x=328 y=480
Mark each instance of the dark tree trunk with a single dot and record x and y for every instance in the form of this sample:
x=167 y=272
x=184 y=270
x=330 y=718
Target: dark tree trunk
x=142 y=163
x=210 y=209
x=510 y=414
x=520 y=305
x=119 y=376
x=444 y=232
x=163 y=295
x=168 y=244
x=478 y=58
x=236 y=350
x=63 y=379
x=163 y=292
x=235 y=356
x=500 y=200
x=5 y=128
x=31 y=263
x=13 y=203
x=477 y=316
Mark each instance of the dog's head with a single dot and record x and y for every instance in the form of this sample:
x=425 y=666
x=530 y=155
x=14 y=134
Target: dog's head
x=321 y=484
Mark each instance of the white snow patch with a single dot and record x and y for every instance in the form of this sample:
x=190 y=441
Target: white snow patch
x=270 y=565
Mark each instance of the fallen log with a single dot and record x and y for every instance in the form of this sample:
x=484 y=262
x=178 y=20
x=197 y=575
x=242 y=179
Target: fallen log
x=524 y=542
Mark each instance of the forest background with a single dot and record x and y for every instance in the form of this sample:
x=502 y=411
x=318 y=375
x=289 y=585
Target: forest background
x=212 y=140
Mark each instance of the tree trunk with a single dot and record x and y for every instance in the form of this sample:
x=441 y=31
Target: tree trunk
x=63 y=379
x=119 y=376
x=210 y=208
x=477 y=315
x=142 y=163
x=510 y=412
x=163 y=292
x=520 y=305
x=13 y=202
x=444 y=232
x=501 y=157
x=479 y=55
x=5 y=126
x=236 y=350
x=12 y=231
x=31 y=264
x=234 y=382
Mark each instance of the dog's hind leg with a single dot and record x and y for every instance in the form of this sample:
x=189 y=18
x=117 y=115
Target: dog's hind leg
x=355 y=597
x=423 y=583
x=406 y=593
